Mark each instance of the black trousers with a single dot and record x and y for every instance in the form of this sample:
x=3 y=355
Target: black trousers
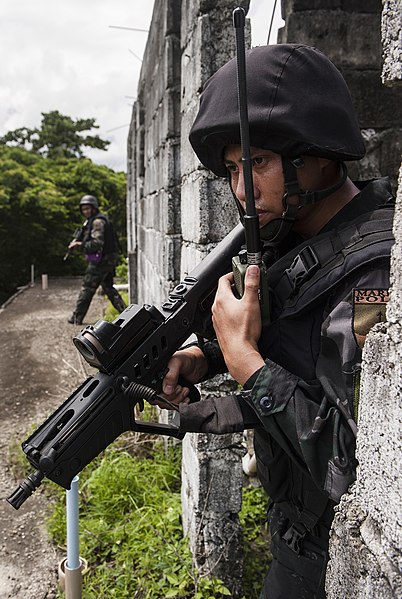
x=96 y=276
x=298 y=572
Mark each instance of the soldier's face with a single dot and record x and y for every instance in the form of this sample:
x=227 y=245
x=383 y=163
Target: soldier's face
x=86 y=210
x=268 y=179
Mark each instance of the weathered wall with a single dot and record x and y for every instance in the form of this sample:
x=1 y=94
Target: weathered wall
x=154 y=162
x=366 y=538
x=177 y=211
x=212 y=475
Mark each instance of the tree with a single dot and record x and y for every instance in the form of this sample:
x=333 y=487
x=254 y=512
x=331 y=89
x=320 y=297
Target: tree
x=58 y=137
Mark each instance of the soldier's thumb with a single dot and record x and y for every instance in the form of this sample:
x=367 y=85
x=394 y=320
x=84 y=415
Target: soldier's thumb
x=252 y=279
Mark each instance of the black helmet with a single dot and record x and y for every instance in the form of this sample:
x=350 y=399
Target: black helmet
x=89 y=200
x=298 y=103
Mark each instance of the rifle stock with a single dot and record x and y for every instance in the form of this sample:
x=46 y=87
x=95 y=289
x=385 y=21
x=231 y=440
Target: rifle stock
x=131 y=354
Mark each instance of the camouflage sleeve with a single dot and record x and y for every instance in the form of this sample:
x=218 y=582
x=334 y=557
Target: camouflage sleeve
x=212 y=415
x=96 y=241
x=313 y=420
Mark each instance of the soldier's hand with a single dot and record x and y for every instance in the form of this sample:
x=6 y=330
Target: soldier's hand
x=74 y=244
x=237 y=323
x=189 y=364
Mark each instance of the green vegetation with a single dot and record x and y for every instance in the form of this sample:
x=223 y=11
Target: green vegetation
x=130 y=527
x=39 y=212
x=110 y=312
x=257 y=555
x=131 y=533
x=130 y=506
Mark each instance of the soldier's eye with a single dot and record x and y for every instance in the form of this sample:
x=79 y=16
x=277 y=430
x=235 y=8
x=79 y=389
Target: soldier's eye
x=260 y=160
x=232 y=168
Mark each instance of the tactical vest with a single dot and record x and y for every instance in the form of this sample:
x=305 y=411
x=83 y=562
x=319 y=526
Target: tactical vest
x=301 y=285
x=110 y=244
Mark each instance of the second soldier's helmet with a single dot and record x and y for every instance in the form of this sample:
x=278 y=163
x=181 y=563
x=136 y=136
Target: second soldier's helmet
x=89 y=200
x=298 y=103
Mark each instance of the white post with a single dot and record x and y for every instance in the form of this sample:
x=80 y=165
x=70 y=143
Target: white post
x=73 y=564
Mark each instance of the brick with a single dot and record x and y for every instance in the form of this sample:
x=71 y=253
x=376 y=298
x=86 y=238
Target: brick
x=376 y=105
x=352 y=40
x=351 y=6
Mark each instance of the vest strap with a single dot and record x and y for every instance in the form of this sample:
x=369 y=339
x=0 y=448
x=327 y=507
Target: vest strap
x=332 y=250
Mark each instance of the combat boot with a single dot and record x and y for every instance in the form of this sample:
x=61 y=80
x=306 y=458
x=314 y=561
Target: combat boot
x=73 y=319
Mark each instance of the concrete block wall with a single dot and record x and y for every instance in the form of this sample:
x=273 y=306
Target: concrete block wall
x=211 y=474
x=365 y=546
x=177 y=212
x=154 y=163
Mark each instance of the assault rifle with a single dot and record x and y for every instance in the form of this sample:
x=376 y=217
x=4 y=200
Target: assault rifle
x=76 y=237
x=131 y=354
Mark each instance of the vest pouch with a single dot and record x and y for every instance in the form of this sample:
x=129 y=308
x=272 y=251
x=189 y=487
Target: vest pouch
x=328 y=448
x=94 y=258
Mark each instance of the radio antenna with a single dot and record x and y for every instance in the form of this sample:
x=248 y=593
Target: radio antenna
x=251 y=221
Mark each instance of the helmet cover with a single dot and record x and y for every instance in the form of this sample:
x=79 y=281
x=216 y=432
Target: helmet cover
x=298 y=103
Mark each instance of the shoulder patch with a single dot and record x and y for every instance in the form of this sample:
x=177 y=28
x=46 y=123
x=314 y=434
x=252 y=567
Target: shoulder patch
x=369 y=308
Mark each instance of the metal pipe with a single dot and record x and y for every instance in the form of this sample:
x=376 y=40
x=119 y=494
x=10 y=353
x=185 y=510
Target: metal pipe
x=73 y=564
x=73 y=542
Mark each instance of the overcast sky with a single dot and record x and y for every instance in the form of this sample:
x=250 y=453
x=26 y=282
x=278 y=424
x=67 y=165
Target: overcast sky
x=65 y=56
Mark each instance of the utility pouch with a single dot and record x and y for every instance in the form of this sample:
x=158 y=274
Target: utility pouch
x=94 y=258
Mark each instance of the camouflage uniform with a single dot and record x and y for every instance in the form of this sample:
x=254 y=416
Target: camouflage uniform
x=96 y=233
x=302 y=403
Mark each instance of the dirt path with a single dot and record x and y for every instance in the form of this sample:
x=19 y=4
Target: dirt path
x=39 y=368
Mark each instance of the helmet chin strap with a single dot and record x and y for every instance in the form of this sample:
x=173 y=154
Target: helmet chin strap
x=276 y=230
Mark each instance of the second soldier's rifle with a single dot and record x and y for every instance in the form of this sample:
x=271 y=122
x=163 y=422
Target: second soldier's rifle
x=131 y=354
x=78 y=233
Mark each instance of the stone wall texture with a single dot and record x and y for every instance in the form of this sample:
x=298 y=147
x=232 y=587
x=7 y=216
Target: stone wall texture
x=365 y=551
x=177 y=211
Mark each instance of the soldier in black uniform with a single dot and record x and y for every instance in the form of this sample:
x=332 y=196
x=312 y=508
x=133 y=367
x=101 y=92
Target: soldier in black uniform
x=97 y=241
x=327 y=244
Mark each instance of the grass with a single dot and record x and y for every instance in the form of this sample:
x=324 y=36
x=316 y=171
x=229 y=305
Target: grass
x=130 y=528
x=257 y=555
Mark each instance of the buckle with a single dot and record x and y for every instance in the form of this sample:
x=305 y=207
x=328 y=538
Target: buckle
x=303 y=266
x=293 y=538
x=292 y=188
